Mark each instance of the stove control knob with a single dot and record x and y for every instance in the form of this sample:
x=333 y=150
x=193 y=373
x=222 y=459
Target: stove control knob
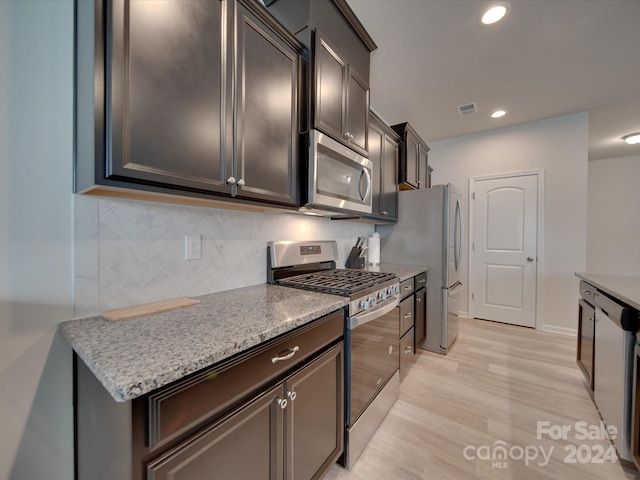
x=372 y=302
x=364 y=304
x=382 y=296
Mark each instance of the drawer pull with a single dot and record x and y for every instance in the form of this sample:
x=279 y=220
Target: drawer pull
x=408 y=315
x=586 y=292
x=282 y=403
x=407 y=287
x=422 y=280
x=292 y=352
x=292 y=395
x=407 y=350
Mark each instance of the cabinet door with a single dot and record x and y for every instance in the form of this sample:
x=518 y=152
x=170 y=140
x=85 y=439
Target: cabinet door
x=406 y=315
x=167 y=93
x=407 y=353
x=420 y=324
x=376 y=141
x=586 y=331
x=390 y=178
x=248 y=443
x=331 y=74
x=314 y=421
x=423 y=172
x=266 y=140
x=409 y=165
x=358 y=112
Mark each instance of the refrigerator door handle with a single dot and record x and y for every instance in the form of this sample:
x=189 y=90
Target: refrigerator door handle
x=458 y=237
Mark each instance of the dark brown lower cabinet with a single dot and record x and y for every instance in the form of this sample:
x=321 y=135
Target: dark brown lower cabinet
x=275 y=411
x=586 y=332
x=420 y=315
x=292 y=431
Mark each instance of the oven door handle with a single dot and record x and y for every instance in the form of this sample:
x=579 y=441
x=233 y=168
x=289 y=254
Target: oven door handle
x=377 y=312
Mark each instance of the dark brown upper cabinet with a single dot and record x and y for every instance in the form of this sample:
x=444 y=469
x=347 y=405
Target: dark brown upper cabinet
x=414 y=172
x=341 y=97
x=384 y=153
x=197 y=99
x=341 y=48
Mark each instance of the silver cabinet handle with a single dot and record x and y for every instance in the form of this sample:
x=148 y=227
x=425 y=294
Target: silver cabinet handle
x=292 y=395
x=346 y=135
x=419 y=300
x=529 y=259
x=407 y=350
x=586 y=292
x=408 y=315
x=408 y=287
x=422 y=280
x=292 y=352
x=282 y=402
x=241 y=182
x=231 y=180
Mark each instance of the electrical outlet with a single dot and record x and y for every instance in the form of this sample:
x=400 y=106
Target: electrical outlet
x=192 y=247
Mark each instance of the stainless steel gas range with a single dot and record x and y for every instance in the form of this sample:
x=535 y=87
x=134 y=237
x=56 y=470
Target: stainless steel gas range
x=371 y=330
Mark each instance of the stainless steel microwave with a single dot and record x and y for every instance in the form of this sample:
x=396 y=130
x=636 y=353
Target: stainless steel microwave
x=339 y=178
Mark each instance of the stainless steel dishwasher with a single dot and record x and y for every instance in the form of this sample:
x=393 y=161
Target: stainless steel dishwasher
x=615 y=336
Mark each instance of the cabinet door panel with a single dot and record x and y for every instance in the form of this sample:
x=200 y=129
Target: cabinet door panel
x=410 y=174
x=420 y=325
x=330 y=84
x=376 y=137
x=164 y=87
x=390 y=158
x=267 y=90
x=358 y=111
x=315 y=419
x=245 y=444
x=423 y=160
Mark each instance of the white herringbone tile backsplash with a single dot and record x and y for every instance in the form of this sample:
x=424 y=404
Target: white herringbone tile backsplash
x=130 y=252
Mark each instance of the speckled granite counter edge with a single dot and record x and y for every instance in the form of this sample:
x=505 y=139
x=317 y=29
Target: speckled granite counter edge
x=624 y=288
x=404 y=272
x=136 y=356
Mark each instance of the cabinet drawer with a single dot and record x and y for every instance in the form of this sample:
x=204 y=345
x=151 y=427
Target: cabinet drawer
x=407 y=353
x=587 y=291
x=406 y=287
x=206 y=395
x=420 y=280
x=406 y=315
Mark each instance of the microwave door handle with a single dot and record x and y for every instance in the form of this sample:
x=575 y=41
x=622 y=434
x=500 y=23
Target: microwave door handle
x=367 y=192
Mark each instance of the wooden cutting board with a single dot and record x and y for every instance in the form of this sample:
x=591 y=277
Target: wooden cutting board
x=148 y=308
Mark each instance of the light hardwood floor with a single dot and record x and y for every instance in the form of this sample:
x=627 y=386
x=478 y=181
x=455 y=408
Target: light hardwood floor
x=497 y=382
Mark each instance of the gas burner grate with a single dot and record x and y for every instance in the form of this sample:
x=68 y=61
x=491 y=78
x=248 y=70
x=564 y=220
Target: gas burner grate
x=337 y=281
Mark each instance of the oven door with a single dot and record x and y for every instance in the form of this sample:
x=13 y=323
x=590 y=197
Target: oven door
x=339 y=178
x=372 y=358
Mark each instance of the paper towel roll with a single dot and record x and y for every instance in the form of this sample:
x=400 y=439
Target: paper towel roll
x=374 y=249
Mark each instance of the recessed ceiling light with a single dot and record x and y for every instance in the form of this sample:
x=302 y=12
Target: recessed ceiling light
x=632 y=138
x=498 y=114
x=495 y=13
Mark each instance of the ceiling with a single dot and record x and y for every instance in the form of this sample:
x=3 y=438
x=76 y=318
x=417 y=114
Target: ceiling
x=546 y=58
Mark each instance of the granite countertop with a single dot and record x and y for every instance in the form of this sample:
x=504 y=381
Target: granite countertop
x=624 y=288
x=403 y=271
x=135 y=356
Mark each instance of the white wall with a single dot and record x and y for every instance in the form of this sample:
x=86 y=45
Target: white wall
x=36 y=151
x=559 y=146
x=613 y=223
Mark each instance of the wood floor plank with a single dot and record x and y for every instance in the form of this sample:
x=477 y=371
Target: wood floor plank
x=491 y=390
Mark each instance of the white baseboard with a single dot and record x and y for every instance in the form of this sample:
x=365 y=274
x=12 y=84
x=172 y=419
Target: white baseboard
x=463 y=314
x=571 y=332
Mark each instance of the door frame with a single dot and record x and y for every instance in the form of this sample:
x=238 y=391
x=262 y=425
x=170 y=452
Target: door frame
x=540 y=174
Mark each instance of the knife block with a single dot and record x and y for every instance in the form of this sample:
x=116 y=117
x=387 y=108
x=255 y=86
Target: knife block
x=354 y=260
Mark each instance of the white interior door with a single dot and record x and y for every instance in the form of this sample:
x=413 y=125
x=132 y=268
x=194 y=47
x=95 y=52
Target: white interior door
x=505 y=249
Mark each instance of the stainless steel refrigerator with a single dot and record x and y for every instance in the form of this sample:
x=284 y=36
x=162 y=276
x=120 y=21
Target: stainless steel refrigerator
x=430 y=231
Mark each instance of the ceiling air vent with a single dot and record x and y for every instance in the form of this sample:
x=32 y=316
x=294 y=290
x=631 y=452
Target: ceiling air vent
x=468 y=109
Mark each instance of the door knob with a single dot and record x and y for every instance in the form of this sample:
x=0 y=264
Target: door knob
x=530 y=259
